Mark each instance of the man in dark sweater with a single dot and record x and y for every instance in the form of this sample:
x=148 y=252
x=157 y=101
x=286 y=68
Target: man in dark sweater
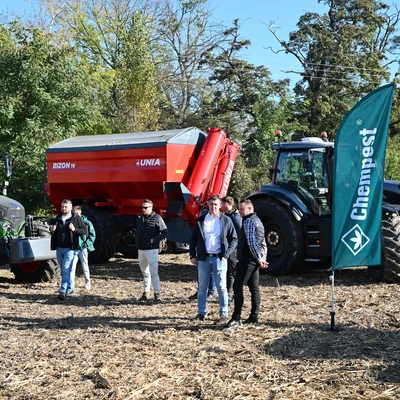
x=66 y=230
x=228 y=206
x=252 y=254
x=151 y=229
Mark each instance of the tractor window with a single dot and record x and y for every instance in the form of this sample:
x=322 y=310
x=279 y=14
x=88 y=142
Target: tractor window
x=305 y=172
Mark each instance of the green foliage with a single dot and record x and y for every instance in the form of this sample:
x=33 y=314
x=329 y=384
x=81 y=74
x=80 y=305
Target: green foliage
x=47 y=97
x=242 y=183
x=136 y=79
x=114 y=37
x=344 y=56
x=392 y=168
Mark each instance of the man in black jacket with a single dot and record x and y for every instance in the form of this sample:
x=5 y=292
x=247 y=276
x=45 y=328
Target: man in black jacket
x=212 y=242
x=228 y=206
x=66 y=230
x=151 y=229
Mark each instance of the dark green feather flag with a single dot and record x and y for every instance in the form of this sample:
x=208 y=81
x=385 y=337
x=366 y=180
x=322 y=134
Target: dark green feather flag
x=359 y=163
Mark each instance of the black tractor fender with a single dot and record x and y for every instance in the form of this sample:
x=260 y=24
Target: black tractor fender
x=286 y=197
x=389 y=209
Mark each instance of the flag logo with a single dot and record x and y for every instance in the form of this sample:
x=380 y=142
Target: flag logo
x=355 y=239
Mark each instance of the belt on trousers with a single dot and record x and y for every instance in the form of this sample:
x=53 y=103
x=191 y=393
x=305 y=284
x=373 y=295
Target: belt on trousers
x=212 y=255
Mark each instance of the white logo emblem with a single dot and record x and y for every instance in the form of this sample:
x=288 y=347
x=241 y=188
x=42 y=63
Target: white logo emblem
x=355 y=239
x=148 y=162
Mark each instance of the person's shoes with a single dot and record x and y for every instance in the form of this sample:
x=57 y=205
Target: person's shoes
x=144 y=298
x=199 y=317
x=223 y=319
x=251 y=320
x=61 y=296
x=232 y=324
x=157 y=298
x=70 y=293
x=87 y=286
x=210 y=296
x=193 y=296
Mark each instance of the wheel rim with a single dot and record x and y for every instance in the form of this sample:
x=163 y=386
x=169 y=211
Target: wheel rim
x=275 y=240
x=29 y=267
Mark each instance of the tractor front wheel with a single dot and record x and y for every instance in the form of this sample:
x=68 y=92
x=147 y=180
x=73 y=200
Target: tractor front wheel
x=284 y=237
x=36 y=271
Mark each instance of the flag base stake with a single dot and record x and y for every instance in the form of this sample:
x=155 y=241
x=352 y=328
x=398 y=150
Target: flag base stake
x=333 y=328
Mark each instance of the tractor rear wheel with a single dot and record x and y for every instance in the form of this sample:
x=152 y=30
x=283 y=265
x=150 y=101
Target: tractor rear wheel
x=36 y=271
x=107 y=234
x=389 y=270
x=284 y=237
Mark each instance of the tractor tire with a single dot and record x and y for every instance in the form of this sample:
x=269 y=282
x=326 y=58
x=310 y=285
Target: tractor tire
x=127 y=247
x=389 y=270
x=42 y=230
x=107 y=234
x=167 y=247
x=36 y=271
x=284 y=236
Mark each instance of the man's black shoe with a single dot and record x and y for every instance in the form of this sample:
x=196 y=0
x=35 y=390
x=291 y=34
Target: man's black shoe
x=61 y=296
x=145 y=298
x=198 y=317
x=157 y=298
x=251 y=320
x=193 y=296
x=232 y=324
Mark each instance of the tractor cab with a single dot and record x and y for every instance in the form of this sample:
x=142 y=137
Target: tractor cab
x=305 y=167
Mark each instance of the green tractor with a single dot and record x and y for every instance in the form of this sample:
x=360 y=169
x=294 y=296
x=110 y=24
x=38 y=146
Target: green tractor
x=24 y=242
x=296 y=210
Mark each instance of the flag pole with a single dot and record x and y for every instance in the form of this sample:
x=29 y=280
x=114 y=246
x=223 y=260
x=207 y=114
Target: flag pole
x=332 y=327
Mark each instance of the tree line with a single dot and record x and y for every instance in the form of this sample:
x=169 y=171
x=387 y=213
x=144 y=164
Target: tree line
x=85 y=67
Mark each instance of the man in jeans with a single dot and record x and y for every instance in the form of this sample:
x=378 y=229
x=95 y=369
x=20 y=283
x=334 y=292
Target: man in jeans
x=65 y=231
x=151 y=229
x=212 y=242
x=85 y=246
x=251 y=253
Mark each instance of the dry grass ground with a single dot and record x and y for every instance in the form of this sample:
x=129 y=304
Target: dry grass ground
x=103 y=344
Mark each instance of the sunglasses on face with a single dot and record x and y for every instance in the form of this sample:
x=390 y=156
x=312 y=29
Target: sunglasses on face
x=145 y=208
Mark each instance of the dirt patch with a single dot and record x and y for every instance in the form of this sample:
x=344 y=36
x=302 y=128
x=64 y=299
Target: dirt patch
x=103 y=344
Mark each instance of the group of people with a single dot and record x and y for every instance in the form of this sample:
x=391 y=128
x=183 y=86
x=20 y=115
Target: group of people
x=73 y=237
x=226 y=244
x=230 y=251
